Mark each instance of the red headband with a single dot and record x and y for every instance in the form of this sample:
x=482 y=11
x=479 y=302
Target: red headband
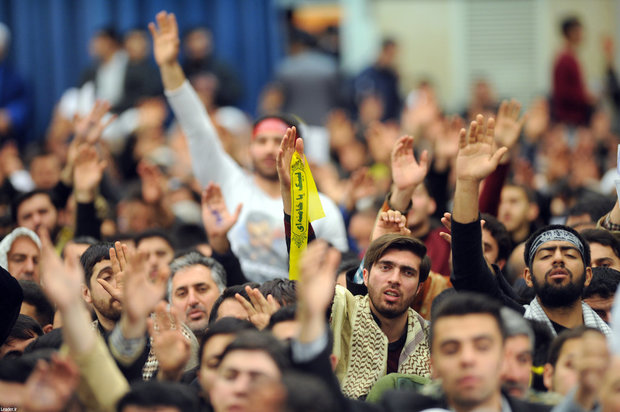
x=270 y=125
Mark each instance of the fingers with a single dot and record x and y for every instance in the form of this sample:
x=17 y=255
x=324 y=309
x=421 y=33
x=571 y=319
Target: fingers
x=446 y=220
x=153 y=30
x=299 y=147
x=463 y=135
x=114 y=292
x=446 y=236
x=237 y=213
x=490 y=131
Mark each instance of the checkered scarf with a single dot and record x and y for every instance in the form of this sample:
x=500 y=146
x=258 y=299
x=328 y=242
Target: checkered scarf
x=534 y=311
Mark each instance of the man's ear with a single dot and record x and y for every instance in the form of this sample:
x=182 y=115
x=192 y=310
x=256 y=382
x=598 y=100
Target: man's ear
x=333 y=360
x=588 y=276
x=527 y=275
x=548 y=376
x=86 y=295
x=432 y=206
x=366 y=274
x=48 y=328
x=501 y=263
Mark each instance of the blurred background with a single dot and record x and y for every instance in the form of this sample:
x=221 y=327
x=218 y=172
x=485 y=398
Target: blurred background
x=452 y=44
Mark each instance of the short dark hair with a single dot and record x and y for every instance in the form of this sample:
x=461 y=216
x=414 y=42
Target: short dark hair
x=392 y=241
x=595 y=206
x=229 y=293
x=528 y=244
x=568 y=24
x=560 y=340
x=467 y=303
x=260 y=341
x=21 y=198
x=155 y=393
x=603 y=237
x=25 y=328
x=530 y=194
x=604 y=283
x=154 y=233
x=93 y=255
x=109 y=33
x=224 y=326
x=33 y=295
x=499 y=232
x=284 y=314
x=282 y=290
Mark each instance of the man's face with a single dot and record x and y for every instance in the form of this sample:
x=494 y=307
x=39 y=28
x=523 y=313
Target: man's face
x=602 y=306
x=517 y=365
x=393 y=282
x=104 y=304
x=610 y=390
x=513 y=208
x=263 y=151
x=45 y=171
x=211 y=358
x=490 y=247
x=563 y=377
x=37 y=211
x=467 y=353
x=193 y=294
x=23 y=259
x=423 y=206
x=239 y=374
x=230 y=308
x=603 y=256
x=158 y=254
x=558 y=274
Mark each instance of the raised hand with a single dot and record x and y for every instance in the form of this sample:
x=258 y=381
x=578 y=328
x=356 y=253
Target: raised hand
x=165 y=38
x=88 y=129
x=62 y=284
x=215 y=216
x=87 y=173
x=118 y=258
x=259 y=308
x=171 y=347
x=446 y=142
x=315 y=288
x=141 y=293
x=288 y=146
x=153 y=182
x=391 y=221
x=477 y=157
x=508 y=126
x=358 y=186
x=50 y=385
x=407 y=173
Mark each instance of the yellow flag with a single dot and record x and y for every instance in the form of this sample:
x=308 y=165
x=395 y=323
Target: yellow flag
x=305 y=207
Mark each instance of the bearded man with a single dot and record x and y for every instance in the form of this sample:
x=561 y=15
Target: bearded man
x=379 y=333
x=556 y=256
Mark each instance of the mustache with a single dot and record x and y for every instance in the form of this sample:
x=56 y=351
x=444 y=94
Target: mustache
x=198 y=306
x=563 y=268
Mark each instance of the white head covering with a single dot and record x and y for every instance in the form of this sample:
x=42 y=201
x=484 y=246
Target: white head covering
x=7 y=242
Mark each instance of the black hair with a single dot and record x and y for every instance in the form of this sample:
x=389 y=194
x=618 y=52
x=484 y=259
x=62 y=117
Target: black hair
x=33 y=295
x=499 y=232
x=284 y=314
x=604 y=283
x=51 y=340
x=93 y=255
x=25 y=328
x=18 y=369
x=568 y=24
x=282 y=290
x=603 y=237
x=110 y=33
x=154 y=233
x=560 y=340
x=224 y=326
x=190 y=235
x=533 y=236
x=308 y=393
x=594 y=206
x=21 y=198
x=250 y=340
x=155 y=393
x=467 y=303
x=229 y=293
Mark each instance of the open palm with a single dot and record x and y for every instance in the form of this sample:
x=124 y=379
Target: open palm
x=406 y=171
x=477 y=157
x=165 y=38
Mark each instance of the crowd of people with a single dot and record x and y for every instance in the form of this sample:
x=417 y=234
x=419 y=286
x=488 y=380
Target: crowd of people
x=465 y=262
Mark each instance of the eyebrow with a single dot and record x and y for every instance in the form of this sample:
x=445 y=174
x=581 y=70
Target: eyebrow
x=105 y=271
x=552 y=248
x=401 y=267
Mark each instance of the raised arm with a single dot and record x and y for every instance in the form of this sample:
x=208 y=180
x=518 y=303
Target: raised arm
x=209 y=160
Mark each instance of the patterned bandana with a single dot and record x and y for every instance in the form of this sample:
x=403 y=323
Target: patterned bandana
x=555 y=234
